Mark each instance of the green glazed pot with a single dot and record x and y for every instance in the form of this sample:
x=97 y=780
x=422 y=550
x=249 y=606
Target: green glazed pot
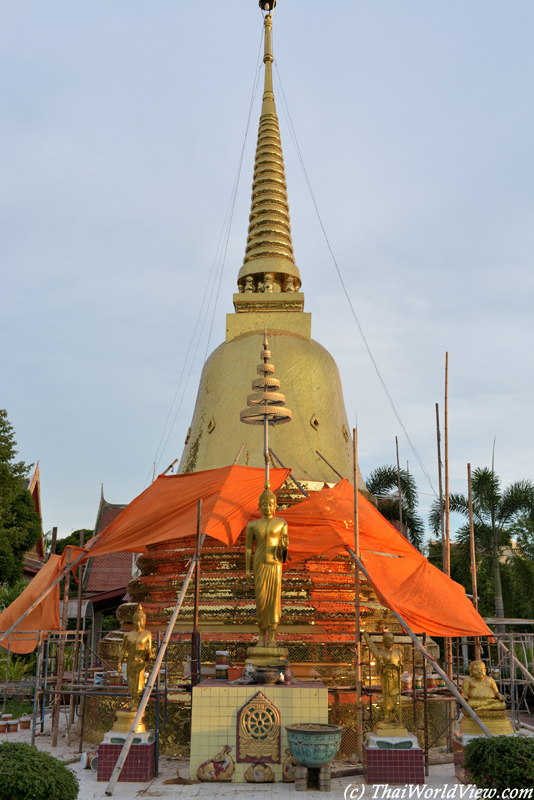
x=314 y=744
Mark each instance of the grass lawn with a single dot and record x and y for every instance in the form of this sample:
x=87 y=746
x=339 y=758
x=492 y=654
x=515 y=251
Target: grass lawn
x=18 y=708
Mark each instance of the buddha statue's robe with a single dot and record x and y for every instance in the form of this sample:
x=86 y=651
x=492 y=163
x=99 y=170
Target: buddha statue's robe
x=271 y=537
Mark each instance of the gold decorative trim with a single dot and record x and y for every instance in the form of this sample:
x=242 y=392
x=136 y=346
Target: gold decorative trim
x=258 y=731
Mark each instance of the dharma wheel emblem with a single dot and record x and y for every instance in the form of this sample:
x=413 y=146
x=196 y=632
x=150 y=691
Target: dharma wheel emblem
x=266 y=404
x=259 y=731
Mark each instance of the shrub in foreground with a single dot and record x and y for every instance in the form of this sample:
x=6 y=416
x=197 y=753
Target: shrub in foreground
x=28 y=774
x=503 y=762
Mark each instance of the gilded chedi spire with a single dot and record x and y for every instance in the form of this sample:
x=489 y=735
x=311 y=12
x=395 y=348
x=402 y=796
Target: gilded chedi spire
x=266 y=402
x=269 y=264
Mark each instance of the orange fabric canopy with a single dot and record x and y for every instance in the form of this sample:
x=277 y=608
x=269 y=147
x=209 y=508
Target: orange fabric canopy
x=424 y=596
x=167 y=510
x=402 y=578
x=324 y=523
x=44 y=617
x=321 y=525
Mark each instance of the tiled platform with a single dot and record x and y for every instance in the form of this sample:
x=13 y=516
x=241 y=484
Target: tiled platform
x=393 y=766
x=139 y=767
x=216 y=705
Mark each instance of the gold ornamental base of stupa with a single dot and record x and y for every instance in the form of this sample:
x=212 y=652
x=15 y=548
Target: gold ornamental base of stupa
x=267 y=656
x=124 y=721
x=495 y=719
x=390 y=729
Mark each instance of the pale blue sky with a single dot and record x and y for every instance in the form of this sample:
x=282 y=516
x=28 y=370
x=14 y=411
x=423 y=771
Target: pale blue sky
x=121 y=129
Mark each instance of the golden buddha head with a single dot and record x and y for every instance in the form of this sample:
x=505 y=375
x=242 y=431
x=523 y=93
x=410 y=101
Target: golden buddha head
x=477 y=670
x=388 y=639
x=139 y=618
x=267 y=503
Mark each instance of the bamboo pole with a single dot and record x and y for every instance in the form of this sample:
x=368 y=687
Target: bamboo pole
x=447 y=566
x=61 y=654
x=8 y=658
x=340 y=476
x=429 y=657
x=517 y=662
x=151 y=681
x=440 y=479
x=195 y=677
x=473 y=555
x=358 y=640
x=295 y=481
x=78 y=625
x=170 y=466
x=399 y=485
x=236 y=459
x=36 y=686
x=53 y=542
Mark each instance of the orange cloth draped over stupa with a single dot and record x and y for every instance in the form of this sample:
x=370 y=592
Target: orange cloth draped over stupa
x=167 y=510
x=322 y=525
x=401 y=576
x=425 y=597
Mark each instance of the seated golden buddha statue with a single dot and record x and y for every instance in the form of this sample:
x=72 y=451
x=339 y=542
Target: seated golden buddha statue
x=482 y=694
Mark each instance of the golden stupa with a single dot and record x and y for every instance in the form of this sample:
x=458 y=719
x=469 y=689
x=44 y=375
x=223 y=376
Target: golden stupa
x=269 y=298
x=317 y=595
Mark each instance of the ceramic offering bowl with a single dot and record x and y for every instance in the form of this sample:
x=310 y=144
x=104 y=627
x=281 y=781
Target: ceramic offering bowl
x=314 y=744
x=266 y=676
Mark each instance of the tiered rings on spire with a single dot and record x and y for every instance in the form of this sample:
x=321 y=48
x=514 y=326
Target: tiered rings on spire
x=269 y=263
x=269 y=233
x=266 y=402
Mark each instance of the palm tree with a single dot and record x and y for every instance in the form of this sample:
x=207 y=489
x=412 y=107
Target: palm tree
x=499 y=562
x=383 y=483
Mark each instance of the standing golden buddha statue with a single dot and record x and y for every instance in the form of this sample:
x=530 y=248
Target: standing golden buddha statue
x=272 y=541
x=136 y=649
x=389 y=661
x=269 y=533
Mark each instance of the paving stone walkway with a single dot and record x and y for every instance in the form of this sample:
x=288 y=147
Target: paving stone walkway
x=349 y=788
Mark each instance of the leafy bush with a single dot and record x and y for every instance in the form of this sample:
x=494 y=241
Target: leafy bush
x=501 y=762
x=19 y=668
x=28 y=774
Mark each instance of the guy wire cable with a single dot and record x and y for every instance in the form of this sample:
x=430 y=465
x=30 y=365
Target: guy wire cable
x=287 y=114
x=226 y=228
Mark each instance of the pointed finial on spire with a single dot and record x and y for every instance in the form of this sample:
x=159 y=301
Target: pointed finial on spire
x=269 y=264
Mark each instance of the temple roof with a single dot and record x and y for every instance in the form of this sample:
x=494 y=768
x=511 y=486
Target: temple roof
x=110 y=571
x=34 y=559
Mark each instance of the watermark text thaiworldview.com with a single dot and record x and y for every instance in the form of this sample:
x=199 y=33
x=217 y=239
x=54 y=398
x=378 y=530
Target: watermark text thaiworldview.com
x=412 y=791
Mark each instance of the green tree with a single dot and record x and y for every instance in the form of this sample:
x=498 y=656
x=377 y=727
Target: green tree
x=12 y=472
x=73 y=538
x=523 y=532
x=504 y=572
x=20 y=526
x=10 y=593
x=383 y=483
x=61 y=544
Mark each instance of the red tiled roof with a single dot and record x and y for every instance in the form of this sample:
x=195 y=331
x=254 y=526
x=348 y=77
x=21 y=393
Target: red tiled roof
x=107 y=518
x=111 y=570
